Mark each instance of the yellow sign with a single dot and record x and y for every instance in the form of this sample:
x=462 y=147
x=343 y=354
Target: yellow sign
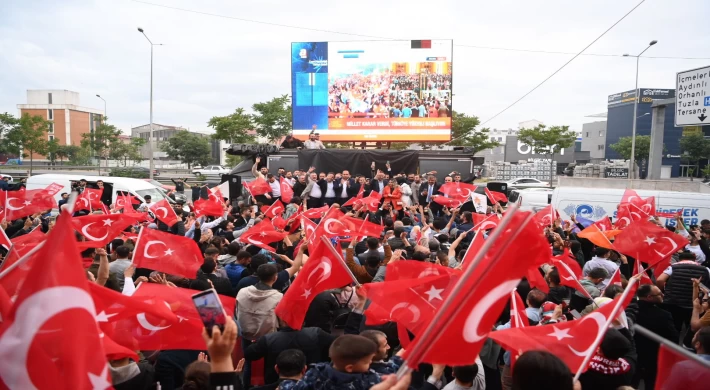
x=689 y=130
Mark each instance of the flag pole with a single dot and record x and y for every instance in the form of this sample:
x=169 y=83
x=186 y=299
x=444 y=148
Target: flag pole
x=433 y=330
x=674 y=347
x=138 y=239
x=340 y=259
x=600 y=336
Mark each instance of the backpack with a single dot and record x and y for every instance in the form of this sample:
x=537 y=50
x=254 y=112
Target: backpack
x=340 y=315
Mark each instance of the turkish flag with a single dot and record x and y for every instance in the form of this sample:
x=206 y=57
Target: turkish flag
x=211 y=206
x=262 y=234
x=276 y=208
x=495 y=196
x=331 y=226
x=536 y=279
x=638 y=269
x=100 y=229
x=324 y=270
x=258 y=186
x=483 y=222
x=278 y=223
x=164 y=211
x=22 y=245
x=546 y=216
x=615 y=278
x=570 y=341
x=286 y=191
x=371 y=202
x=309 y=227
x=115 y=351
x=24 y=202
x=457 y=190
x=89 y=199
x=3 y=203
x=482 y=293
x=316 y=213
x=410 y=304
x=364 y=227
x=145 y=331
x=168 y=253
x=447 y=202
x=653 y=244
x=50 y=338
x=112 y=306
x=126 y=201
x=5 y=240
x=570 y=277
x=567 y=258
x=647 y=207
x=359 y=196
x=598 y=236
x=604 y=224
x=400 y=271
x=518 y=317
x=679 y=372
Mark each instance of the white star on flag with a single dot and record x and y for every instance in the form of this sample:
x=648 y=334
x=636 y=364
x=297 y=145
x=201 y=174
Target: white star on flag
x=434 y=293
x=99 y=382
x=168 y=252
x=560 y=333
x=307 y=293
x=27 y=203
x=107 y=222
x=650 y=240
x=103 y=317
x=263 y=234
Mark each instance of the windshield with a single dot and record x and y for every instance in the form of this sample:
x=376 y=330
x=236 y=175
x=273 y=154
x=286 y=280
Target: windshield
x=155 y=194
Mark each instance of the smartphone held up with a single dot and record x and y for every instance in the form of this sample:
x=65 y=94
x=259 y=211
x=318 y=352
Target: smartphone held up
x=210 y=310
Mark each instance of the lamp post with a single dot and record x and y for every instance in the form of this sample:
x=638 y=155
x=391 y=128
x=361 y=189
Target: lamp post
x=150 y=136
x=105 y=113
x=636 y=103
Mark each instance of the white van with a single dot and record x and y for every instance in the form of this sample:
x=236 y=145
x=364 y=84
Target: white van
x=112 y=185
x=594 y=203
x=530 y=199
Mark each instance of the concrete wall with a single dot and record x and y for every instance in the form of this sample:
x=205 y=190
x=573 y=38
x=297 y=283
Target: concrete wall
x=59 y=96
x=658 y=185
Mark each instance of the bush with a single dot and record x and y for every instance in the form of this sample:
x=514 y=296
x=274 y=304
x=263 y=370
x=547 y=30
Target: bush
x=136 y=173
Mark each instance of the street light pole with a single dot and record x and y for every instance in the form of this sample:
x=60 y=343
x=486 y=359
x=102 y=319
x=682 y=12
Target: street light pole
x=632 y=158
x=105 y=112
x=150 y=136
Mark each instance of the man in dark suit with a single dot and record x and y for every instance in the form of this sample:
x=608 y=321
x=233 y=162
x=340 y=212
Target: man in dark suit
x=427 y=192
x=659 y=321
x=348 y=187
x=330 y=188
x=378 y=182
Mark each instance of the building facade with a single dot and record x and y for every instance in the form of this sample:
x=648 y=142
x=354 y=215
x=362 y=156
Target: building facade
x=160 y=133
x=62 y=108
x=620 y=117
x=594 y=139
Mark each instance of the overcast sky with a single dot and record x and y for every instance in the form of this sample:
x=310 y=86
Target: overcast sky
x=210 y=65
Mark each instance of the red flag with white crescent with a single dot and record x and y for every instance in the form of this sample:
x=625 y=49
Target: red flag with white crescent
x=166 y=252
x=164 y=211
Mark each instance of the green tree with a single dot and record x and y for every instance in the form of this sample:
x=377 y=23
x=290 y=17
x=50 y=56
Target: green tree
x=26 y=135
x=232 y=161
x=233 y=128
x=65 y=151
x=79 y=155
x=464 y=133
x=272 y=119
x=641 y=149
x=52 y=149
x=188 y=147
x=694 y=147
x=548 y=141
x=100 y=141
x=127 y=151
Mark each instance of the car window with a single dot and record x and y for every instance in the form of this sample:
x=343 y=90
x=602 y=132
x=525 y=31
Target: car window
x=155 y=194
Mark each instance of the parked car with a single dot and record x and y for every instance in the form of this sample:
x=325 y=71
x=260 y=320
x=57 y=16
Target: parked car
x=135 y=172
x=527 y=182
x=211 y=170
x=2 y=176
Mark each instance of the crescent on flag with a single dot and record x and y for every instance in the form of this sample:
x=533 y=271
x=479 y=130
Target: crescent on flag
x=326 y=266
x=600 y=321
x=416 y=314
x=89 y=236
x=470 y=329
x=147 y=247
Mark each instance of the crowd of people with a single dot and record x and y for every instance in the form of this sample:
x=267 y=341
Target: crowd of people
x=390 y=95
x=338 y=344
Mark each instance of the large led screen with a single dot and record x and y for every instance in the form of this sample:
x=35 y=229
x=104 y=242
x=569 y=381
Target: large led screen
x=372 y=90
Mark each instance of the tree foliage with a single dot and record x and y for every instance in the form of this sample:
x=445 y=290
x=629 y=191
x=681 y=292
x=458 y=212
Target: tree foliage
x=189 y=148
x=272 y=119
x=26 y=135
x=641 y=150
x=52 y=148
x=233 y=128
x=464 y=132
x=694 y=147
x=548 y=141
x=127 y=151
x=100 y=140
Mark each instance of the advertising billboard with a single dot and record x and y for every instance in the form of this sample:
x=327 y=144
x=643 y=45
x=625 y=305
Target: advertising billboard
x=517 y=151
x=372 y=90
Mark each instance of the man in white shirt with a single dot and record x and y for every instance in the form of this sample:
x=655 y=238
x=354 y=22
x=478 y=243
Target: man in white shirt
x=118 y=266
x=601 y=260
x=332 y=188
x=313 y=193
x=313 y=142
x=275 y=187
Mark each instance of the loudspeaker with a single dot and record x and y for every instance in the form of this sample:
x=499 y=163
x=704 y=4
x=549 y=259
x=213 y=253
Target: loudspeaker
x=235 y=185
x=252 y=149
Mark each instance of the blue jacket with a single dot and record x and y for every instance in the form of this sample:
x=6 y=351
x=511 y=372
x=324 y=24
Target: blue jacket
x=324 y=377
x=234 y=273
